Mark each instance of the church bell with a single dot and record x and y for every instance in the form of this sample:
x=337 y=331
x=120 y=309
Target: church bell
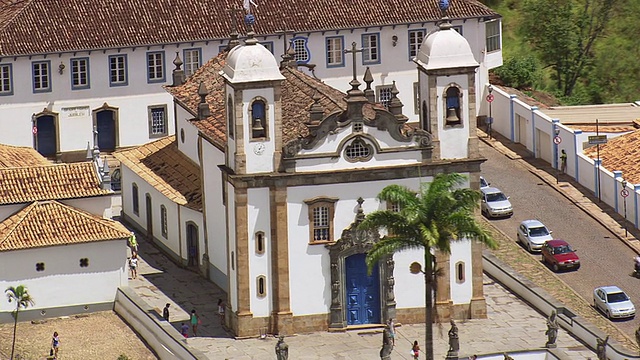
x=452 y=116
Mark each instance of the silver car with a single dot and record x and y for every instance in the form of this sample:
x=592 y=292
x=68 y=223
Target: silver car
x=494 y=203
x=613 y=302
x=533 y=234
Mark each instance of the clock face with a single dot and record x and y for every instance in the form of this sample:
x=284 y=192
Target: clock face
x=258 y=148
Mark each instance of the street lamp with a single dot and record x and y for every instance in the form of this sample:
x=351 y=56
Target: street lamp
x=624 y=193
x=490 y=118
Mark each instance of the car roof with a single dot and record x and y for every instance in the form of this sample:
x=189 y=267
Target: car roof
x=610 y=289
x=532 y=223
x=557 y=242
x=491 y=190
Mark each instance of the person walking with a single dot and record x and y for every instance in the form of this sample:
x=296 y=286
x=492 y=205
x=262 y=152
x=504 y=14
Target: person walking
x=55 y=344
x=415 y=350
x=221 y=311
x=563 y=161
x=392 y=331
x=133 y=265
x=165 y=312
x=133 y=243
x=184 y=330
x=195 y=320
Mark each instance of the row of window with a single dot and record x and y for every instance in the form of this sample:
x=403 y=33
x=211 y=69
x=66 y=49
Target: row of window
x=84 y=262
x=163 y=211
x=80 y=71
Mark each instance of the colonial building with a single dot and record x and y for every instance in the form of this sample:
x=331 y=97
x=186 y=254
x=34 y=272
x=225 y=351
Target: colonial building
x=71 y=67
x=54 y=237
x=279 y=168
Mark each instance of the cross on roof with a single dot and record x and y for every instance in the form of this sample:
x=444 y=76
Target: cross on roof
x=234 y=20
x=353 y=51
x=284 y=33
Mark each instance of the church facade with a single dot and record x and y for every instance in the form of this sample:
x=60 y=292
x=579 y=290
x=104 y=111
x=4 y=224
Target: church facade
x=284 y=167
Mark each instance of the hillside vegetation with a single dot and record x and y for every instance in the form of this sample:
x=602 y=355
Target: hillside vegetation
x=581 y=51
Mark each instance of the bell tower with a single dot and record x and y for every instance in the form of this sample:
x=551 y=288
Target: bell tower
x=446 y=77
x=252 y=99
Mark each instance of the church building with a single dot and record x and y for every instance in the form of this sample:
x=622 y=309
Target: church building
x=271 y=170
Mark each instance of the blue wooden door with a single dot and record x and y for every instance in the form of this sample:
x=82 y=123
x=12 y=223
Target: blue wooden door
x=46 y=135
x=106 y=126
x=362 y=292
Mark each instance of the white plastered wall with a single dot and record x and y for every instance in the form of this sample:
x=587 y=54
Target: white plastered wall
x=259 y=219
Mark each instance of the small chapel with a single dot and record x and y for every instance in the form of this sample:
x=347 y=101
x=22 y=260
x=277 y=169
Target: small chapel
x=271 y=170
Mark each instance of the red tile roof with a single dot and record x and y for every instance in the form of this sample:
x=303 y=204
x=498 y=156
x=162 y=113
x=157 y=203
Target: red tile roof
x=167 y=169
x=18 y=156
x=621 y=153
x=51 y=26
x=51 y=223
x=51 y=182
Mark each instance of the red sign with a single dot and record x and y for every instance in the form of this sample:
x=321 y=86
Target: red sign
x=624 y=192
x=490 y=97
x=34 y=130
x=557 y=140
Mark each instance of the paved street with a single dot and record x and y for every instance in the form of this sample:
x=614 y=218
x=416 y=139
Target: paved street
x=606 y=260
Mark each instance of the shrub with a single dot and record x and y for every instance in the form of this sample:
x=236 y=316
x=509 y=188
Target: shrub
x=521 y=72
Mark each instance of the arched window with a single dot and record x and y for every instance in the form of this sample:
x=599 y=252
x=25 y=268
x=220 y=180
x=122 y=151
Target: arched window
x=230 y=117
x=358 y=150
x=135 y=199
x=453 y=116
x=460 y=272
x=261 y=285
x=258 y=119
x=260 y=243
x=163 y=221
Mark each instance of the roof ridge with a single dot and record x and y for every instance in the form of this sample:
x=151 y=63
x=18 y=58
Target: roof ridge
x=86 y=214
x=15 y=15
x=299 y=74
x=25 y=211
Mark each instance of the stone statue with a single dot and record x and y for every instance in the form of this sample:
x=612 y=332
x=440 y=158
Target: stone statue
x=552 y=330
x=387 y=346
x=282 y=349
x=454 y=340
x=601 y=348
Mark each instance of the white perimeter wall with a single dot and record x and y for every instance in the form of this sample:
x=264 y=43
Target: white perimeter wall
x=64 y=282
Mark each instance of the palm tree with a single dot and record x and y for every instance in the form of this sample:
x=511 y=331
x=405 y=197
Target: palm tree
x=441 y=212
x=21 y=297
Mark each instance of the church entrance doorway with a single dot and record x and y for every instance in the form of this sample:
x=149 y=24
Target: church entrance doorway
x=46 y=137
x=362 y=291
x=106 y=126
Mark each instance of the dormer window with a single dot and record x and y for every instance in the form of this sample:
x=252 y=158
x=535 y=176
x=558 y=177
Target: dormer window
x=452 y=96
x=258 y=119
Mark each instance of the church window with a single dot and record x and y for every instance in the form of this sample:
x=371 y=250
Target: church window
x=192 y=60
x=358 y=126
x=157 y=120
x=6 y=79
x=492 y=29
x=230 y=117
x=321 y=211
x=301 y=50
x=258 y=119
x=259 y=238
x=460 y=272
x=371 y=48
x=135 y=199
x=155 y=67
x=335 y=51
x=40 y=266
x=84 y=262
x=163 y=220
x=384 y=95
x=415 y=40
x=452 y=99
x=358 y=150
x=262 y=286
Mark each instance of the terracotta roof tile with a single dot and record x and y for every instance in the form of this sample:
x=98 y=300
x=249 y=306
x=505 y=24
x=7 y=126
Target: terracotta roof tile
x=50 y=182
x=168 y=170
x=50 y=26
x=18 y=156
x=298 y=90
x=621 y=153
x=51 y=223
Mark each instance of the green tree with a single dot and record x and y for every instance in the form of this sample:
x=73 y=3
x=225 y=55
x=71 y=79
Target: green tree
x=563 y=34
x=441 y=212
x=20 y=296
x=520 y=72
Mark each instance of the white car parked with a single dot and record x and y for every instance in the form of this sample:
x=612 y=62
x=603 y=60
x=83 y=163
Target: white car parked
x=494 y=203
x=533 y=234
x=613 y=302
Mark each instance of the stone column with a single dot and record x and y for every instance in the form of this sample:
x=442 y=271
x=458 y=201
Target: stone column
x=243 y=312
x=478 y=303
x=279 y=242
x=443 y=294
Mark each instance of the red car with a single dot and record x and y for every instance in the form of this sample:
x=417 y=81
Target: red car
x=558 y=254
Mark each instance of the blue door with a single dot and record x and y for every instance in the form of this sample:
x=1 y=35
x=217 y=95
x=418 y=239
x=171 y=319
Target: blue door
x=363 y=292
x=106 y=126
x=46 y=136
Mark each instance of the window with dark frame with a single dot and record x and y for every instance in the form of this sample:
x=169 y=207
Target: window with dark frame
x=155 y=67
x=118 y=70
x=6 y=79
x=301 y=52
x=260 y=243
x=452 y=98
x=384 y=95
x=41 y=76
x=84 y=262
x=135 y=199
x=80 y=73
x=335 y=51
x=262 y=286
x=157 y=121
x=40 y=266
x=163 y=220
x=192 y=61
x=415 y=40
x=492 y=29
x=230 y=117
x=321 y=212
x=370 y=49
x=258 y=119
x=460 y=272
x=358 y=150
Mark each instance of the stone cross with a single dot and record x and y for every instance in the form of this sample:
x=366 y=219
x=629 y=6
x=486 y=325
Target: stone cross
x=234 y=20
x=353 y=51
x=284 y=33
